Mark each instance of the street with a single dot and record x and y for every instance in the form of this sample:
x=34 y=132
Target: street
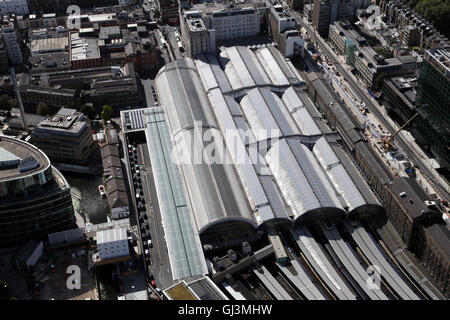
x=375 y=108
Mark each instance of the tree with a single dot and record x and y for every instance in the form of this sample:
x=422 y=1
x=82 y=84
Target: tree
x=42 y=109
x=379 y=81
x=386 y=53
x=5 y=103
x=156 y=14
x=107 y=113
x=89 y=111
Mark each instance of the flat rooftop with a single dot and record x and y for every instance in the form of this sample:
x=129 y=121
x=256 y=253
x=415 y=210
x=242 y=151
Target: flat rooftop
x=180 y=291
x=111 y=235
x=83 y=48
x=66 y=120
x=12 y=149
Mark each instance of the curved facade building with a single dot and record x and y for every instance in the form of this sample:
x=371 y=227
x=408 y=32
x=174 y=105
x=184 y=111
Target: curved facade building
x=284 y=164
x=221 y=212
x=35 y=197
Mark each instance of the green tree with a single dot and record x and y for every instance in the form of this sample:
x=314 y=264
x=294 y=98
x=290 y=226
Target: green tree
x=5 y=103
x=384 y=52
x=42 y=109
x=156 y=14
x=379 y=81
x=89 y=111
x=107 y=113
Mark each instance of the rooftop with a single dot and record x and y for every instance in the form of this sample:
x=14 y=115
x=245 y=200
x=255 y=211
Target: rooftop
x=65 y=122
x=440 y=58
x=183 y=243
x=31 y=159
x=411 y=196
x=83 y=48
x=111 y=235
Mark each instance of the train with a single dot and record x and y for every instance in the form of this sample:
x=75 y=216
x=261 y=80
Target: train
x=427 y=238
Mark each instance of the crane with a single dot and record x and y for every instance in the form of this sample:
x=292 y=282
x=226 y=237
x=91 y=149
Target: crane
x=387 y=142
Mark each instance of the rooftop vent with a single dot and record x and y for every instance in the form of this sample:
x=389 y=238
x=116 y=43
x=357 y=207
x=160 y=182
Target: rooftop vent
x=27 y=164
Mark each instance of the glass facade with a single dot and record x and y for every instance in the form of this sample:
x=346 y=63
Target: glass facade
x=434 y=106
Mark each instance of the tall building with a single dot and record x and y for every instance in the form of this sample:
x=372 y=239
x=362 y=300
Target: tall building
x=325 y=12
x=12 y=42
x=3 y=56
x=65 y=137
x=433 y=102
x=35 y=197
x=168 y=9
x=196 y=37
x=206 y=25
x=231 y=23
x=18 y=7
x=284 y=32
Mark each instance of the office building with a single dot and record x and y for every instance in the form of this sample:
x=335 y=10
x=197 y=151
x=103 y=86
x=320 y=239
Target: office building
x=233 y=23
x=196 y=37
x=285 y=33
x=65 y=137
x=210 y=24
x=433 y=102
x=11 y=39
x=168 y=10
x=367 y=64
x=35 y=197
x=3 y=56
x=17 y=7
x=325 y=12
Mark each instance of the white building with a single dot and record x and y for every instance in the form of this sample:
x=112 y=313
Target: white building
x=112 y=243
x=18 y=7
x=235 y=23
x=196 y=37
x=12 y=43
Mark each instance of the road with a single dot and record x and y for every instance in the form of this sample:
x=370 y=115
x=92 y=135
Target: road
x=159 y=257
x=375 y=109
x=147 y=84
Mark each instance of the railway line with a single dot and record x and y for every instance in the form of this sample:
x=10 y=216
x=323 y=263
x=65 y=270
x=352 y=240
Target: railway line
x=376 y=258
x=322 y=265
x=348 y=258
x=271 y=284
x=297 y=275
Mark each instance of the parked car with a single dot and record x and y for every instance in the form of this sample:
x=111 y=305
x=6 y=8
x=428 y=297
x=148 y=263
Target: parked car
x=101 y=190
